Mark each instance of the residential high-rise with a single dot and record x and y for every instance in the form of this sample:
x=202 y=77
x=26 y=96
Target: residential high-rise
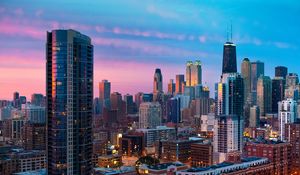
x=179 y=81
x=287 y=113
x=171 y=87
x=228 y=135
x=157 y=85
x=150 y=115
x=193 y=73
x=278 y=84
x=229 y=58
x=246 y=74
x=69 y=94
x=257 y=69
x=104 y=94
x=264 y=95
x=281 y=71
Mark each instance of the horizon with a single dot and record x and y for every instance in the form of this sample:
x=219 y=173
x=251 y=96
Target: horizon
x=149 y=36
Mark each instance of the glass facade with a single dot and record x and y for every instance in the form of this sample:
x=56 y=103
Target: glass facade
x=229 y=58
x=69 y=102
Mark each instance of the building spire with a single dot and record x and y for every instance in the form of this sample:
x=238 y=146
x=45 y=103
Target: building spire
x=231 y=30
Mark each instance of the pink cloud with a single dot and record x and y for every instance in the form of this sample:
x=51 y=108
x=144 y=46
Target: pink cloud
x=39 y=12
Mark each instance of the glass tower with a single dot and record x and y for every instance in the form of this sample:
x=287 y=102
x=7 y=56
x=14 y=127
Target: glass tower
x=69 y=89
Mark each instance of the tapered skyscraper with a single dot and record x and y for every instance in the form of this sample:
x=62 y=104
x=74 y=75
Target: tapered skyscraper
x=69 y=86
x=157 y=84
x=229 y=58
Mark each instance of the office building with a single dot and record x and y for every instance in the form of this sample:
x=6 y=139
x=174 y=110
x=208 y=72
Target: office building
x=178 y=85
x=34 y=114
x=278 y=86
x=34 y=136
x=287 y=113
x=38 y=100
x=257 y=70
x=246 y=75
x=229 y=58
x=150 y=115
x=292 y=80
x=104 y=94
x=131 y=144
x=173 y=110
x=193 y=73
x=281 y=71
x=69 y=102
x=264 y=95
x=171 y=87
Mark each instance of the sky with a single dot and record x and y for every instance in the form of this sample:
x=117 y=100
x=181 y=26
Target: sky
x=132 y=37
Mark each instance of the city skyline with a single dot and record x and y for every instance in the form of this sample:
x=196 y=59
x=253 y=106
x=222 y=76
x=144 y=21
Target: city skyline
x=154 y=35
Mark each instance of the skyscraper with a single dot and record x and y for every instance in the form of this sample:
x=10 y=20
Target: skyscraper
x=246 y=74
x=104 y=94
x=179 y=81
x=171 y=87
x=229 y=58
x=281 y=71
x=264 y=95
x=257 y=69
x=69 y=102
x=193 y=73
x=173 y=110
x=157 y=84
x=278 y=84
x=230 y=95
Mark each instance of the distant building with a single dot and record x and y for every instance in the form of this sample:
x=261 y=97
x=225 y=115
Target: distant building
x=38 y=100
x=157 y=85
x=179 y=81
x=257 y=70
x=281 y=71
x=171 y=87
x=174 y=110
x=34 y=136
x=254 y=119
x=34 y=114
x=193 y=73
x=264 y=95
x=246 y=75
x=278 y=86
x=104 y=94
x=150 y=115
x=131 y=144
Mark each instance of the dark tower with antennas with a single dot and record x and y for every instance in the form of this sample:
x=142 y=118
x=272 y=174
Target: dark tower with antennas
x=229 y=55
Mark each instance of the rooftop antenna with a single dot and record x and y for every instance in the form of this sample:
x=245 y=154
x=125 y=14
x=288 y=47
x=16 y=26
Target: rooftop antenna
x=227 y=33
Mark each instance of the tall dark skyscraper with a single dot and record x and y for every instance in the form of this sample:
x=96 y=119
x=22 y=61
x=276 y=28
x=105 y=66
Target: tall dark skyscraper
x=278 y=85
x=69 y=86
x=229 y=58
x=281 y=71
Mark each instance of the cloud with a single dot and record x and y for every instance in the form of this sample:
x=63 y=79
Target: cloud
x=19 y=12
x=39 y=12
x=162 y=12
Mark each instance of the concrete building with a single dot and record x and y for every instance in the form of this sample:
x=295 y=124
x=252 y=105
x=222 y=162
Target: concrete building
x=201 y=154
x=150 y=115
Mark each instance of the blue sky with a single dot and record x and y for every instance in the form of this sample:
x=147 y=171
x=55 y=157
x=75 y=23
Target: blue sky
x=133 y=37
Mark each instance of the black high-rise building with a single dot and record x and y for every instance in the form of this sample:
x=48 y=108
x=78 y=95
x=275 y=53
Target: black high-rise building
x=229 y=58
x=69 y=86
x=278 y=85
x=281 y=71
